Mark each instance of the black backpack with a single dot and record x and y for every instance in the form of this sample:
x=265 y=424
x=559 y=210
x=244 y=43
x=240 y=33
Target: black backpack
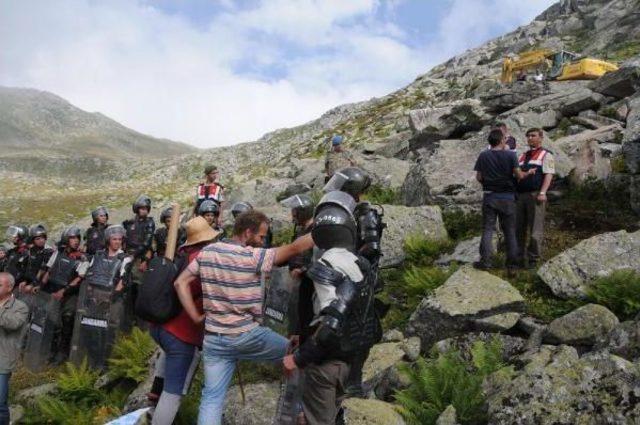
x=157 y=300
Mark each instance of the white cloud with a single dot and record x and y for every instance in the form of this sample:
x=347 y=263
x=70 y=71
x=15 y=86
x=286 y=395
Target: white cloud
x=160 y=74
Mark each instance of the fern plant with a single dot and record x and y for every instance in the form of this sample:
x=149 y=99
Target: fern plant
x=619 y=292
x=448 y=379
x=421 y=281
x=53 y=410
x=421 y=250
x=130 y=356
x=77 y=384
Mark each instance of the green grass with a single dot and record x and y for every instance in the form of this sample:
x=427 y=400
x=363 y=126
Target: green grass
x=619 y=292
x=377 y=194
x=462 y=225
x=420 y=250
x=447 y=379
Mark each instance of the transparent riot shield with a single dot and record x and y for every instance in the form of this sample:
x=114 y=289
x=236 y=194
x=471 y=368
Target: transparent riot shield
x=45 y=314
x=100 y=315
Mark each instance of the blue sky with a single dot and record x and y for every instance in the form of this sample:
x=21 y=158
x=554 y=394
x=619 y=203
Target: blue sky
x=220 y=72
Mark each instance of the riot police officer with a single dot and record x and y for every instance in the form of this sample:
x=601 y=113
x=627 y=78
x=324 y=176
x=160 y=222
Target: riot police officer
x=3 y=257
x=94 y=236
x=160 y=235
x=16 y=262
x=210 y=211
x=355 y=181
x=38 y=255
x=240 y=207
x=345 y=321
x=62 y=280
x=139 y=236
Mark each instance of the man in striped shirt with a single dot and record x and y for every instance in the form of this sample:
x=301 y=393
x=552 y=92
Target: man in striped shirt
x=230 y=272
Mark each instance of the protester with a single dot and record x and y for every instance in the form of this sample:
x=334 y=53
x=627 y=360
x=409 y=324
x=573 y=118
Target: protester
x=532 y=198
x=181 y=338
x=231 y=272
x=14 y=317
x=497 y=170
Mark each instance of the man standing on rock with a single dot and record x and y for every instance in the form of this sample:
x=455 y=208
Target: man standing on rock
x=337 y=157
x=497 y=170
x=230 y=272
x=14 y=316
x=532 y=198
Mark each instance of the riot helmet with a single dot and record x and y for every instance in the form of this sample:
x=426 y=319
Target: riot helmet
x=352 y=180
x=209 y=206
x=98 y=212
x=143 y=201
x=37 y=230
x=165 y=214
x=301 y=207
x=240 y=207
x=334 y=225
x=70 y=232
x=18 y=231
x=115 y=230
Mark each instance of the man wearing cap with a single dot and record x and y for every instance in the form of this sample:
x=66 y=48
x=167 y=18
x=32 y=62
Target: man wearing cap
x=210 y=189
x=337 y=157
x=231 y=272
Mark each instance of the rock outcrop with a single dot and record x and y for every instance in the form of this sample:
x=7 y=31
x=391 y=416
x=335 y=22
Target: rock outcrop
x=259 y=408
x=358 y=411
x=583 y=326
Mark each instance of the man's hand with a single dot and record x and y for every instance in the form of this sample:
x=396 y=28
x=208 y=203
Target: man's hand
x=542 y=197
x=295 y=342
x=21 y=286
x=289 y=364
x=58 y=295
x=199 y=319
x=119 y=286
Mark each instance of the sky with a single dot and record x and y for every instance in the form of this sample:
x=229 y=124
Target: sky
x=220 y=72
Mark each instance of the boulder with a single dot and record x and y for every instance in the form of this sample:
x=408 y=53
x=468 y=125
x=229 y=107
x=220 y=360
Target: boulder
x=411 y=348
x=388 y=172
x=570 y=273
x=452 y=120
x=394 y=146
x=16 y=413
x=590 y=163
x=623 y=340
x=466 y=252
x=293 y=189
x=583 y=326
x=404 y=221
x=381 y=374
x=470 y=300
x=568 y=102
x=591 y=120
x=448 y=416
x=28 y=395
x=631 y=137
x=558 y=387
x=621 y=83
x=393 y=335
x=309 y=171
x=261 y=191
x=358 y=411
x=502 y=97
x=259 y=409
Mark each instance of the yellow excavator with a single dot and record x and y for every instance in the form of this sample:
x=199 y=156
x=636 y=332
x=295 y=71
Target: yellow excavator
x=555 y=65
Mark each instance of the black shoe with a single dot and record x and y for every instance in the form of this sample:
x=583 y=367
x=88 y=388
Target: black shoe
x=479 y=265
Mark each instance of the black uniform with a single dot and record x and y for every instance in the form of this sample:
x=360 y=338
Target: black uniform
x=36 y=261
x=139 y=236
x=305 y=291
x=16 y=263
x=94 y=238
x=160 y=240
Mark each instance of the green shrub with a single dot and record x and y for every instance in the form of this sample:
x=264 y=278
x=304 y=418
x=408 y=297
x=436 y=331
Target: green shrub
x=448 y=379
x=420 y=250
x=282 y=236
x=76 y=384
x=377 y=194
x=421 y=281
x=130 y=356
x=462 y=225
x=619 y=292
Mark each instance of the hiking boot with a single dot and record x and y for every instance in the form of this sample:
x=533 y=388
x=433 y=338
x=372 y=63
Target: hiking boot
x=479 y=265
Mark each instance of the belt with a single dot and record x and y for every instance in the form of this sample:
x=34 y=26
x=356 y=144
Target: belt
x=221 y=334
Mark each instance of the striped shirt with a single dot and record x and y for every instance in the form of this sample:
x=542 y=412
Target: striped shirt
x=232 y=291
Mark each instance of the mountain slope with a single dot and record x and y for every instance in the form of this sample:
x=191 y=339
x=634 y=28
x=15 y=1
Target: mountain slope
x=35 y=123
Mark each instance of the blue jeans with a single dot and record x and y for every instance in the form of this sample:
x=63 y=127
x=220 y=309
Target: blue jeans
x=4 y=398
x=220 y=355
x=181 y=360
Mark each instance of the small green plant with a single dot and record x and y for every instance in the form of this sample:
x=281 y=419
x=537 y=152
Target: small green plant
x=462 y=224
x=619 y=291
x=377 y=194
x=282 y=236
x=130 y=356
x=421 y=250
x=421 y=281
x=77 y=384
x=446 y=379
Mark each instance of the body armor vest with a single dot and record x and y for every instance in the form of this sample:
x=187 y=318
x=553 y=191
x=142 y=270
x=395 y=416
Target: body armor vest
x=17 y=262
x=370 y=227
x=36 y=259
x=104 y=270
x=63 y=268
x=161 y=239
x=211 y=191
x=139 y=233
x=532 y=159
x=95 y=238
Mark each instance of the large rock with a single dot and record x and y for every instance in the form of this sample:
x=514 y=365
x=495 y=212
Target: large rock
x=583 y=326
x=358 y=411
x=512 y=346
x=621 y=83
x=470 y=300
x=631 y=138
x=571 y=272
x=404 y=221
x=381 y=373
x=623 y=340
x=502 y=97
x=389 y=172
x=567 y=102
x=29 y=395
x=557 y=387
x=466 y=252
x=448 y=417
x=452 y=120
x=259 y=408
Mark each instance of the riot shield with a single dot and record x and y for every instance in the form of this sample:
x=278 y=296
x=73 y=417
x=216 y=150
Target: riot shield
x=280 y=293
x=290 y=401
x=100 y=315
x=44 y=318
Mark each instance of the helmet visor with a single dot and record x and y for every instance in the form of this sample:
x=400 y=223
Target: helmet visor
x=292 y=202
x=336 y=182
x=342 y=199
x=12 y=232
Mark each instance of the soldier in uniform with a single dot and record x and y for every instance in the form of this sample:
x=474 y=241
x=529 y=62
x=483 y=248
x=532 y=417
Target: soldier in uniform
x=337 y=157
x=355 y=181
x=139 y=237
x=210 y=189
x=160 y=235
x=345 y=321
x=16 y=262
x=62 y=278
x=38 y=255
x=94 y=236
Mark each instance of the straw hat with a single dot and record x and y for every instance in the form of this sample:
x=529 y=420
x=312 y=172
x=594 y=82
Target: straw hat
x=198 y=230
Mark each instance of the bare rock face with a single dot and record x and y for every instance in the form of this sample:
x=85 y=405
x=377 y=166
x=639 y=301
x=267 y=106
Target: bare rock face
x=583 y=326
x=621 y=83
x=631 y=139
x=448 y=121
x=571 y=272
x=358 y=411
x=623 y=340
x=470 y=300
x=259 y=407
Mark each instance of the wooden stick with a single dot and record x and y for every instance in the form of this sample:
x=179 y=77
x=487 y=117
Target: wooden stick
x=172 y=237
